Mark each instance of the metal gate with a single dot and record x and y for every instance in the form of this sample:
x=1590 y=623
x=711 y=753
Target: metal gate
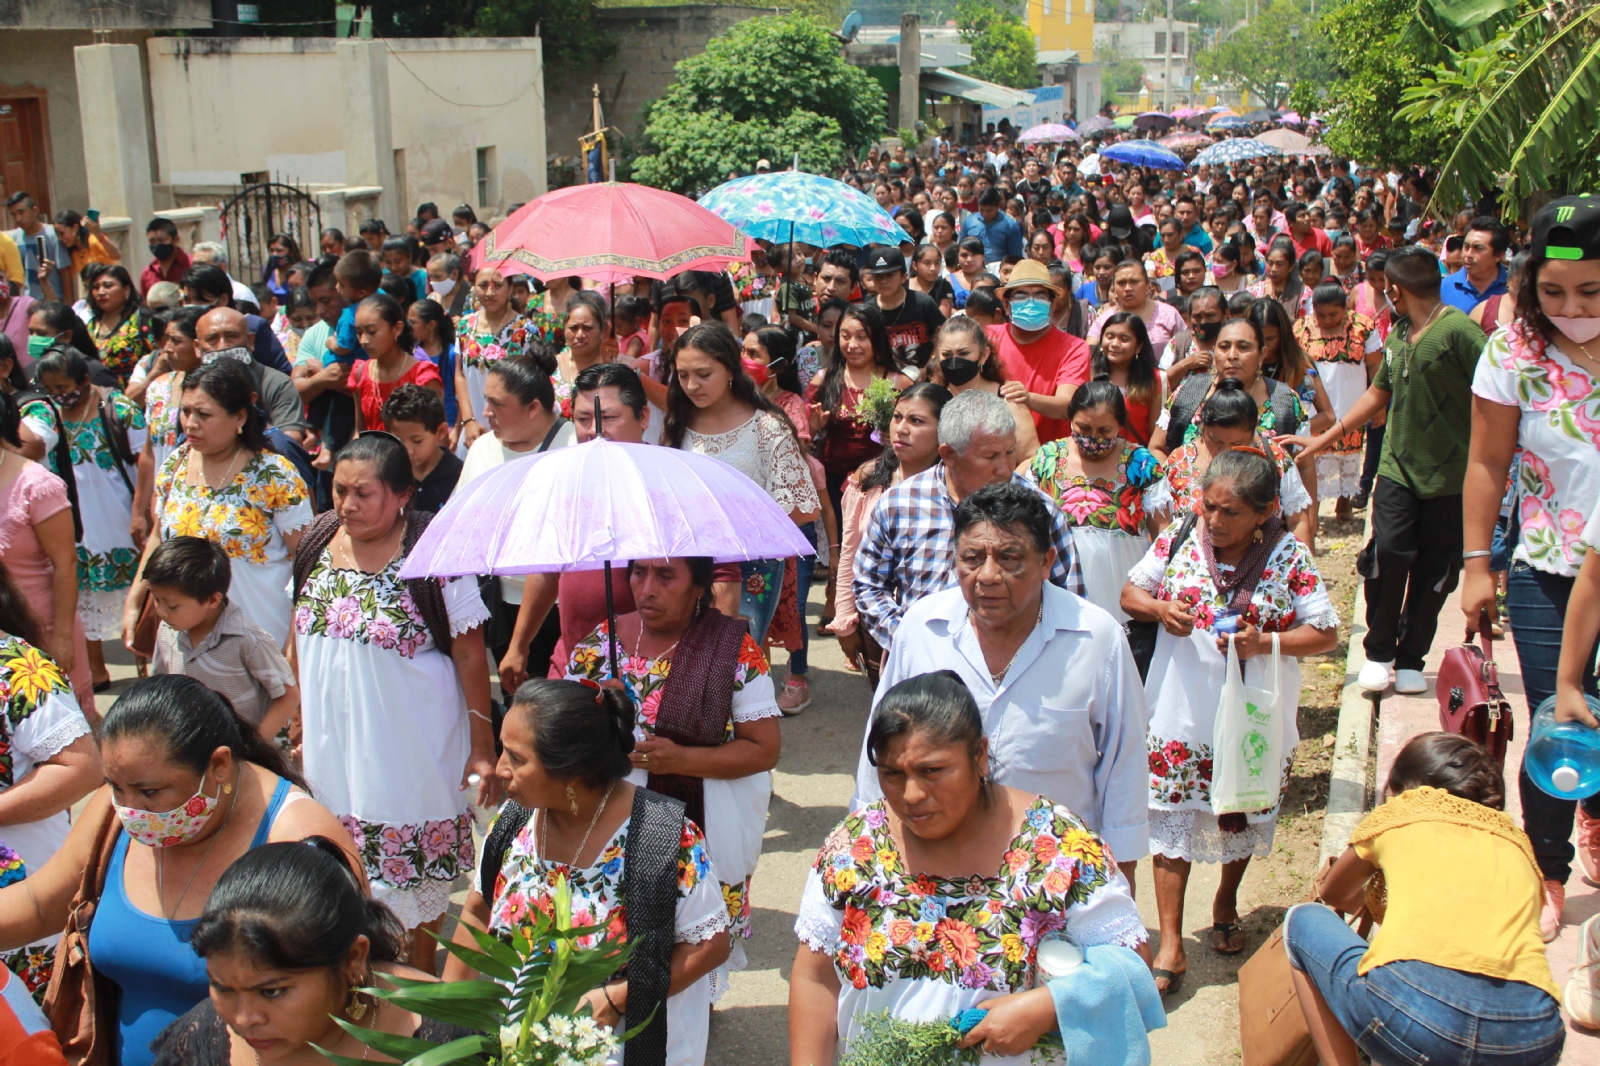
x=256 y=214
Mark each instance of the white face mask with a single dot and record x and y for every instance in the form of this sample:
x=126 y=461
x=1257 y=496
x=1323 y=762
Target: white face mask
x=443 y=288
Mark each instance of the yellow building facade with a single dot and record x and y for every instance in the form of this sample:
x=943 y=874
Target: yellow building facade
x=1063 y=24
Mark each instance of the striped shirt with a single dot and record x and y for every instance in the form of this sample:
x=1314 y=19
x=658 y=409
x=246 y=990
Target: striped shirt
x=909 y=550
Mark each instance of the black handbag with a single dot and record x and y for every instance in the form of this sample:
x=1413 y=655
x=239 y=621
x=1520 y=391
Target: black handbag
x=1142 y=635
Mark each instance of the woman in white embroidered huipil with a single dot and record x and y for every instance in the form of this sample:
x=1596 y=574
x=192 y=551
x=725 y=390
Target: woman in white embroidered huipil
x=395 y=717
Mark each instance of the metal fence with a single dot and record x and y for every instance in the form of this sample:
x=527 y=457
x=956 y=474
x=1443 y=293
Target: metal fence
x=257 y=213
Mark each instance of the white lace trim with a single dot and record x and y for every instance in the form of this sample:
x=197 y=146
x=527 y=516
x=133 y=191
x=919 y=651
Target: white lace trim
x=1124 y=928
x=758 y=712
x=765 y=451
x=468 y=619
x=816 y=932
x=64 y=733
x=414 y=906
x=704 y=929
x=1323 y=617
x=1339 y=474
x=1192 y=835
x=101 y=613
x=1158 y=498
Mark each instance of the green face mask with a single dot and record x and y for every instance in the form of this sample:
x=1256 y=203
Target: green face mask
x=37 y=346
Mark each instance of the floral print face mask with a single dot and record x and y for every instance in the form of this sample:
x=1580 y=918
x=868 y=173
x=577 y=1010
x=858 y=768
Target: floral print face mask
x=177 y=826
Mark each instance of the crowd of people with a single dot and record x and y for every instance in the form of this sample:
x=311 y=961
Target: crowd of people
x=1060 y=453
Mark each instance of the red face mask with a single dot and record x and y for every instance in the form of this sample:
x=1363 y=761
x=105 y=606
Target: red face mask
x=757 y=371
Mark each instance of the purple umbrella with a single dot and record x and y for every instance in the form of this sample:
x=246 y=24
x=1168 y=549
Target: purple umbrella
x=1095 y=124
x=582 y=508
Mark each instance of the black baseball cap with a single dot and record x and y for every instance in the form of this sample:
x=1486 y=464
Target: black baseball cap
x=1119 y=222
x=1568 y=228
x=885 y=261
x=436 y=231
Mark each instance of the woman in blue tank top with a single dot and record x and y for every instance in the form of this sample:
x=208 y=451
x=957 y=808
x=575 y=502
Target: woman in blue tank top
x=190 y=787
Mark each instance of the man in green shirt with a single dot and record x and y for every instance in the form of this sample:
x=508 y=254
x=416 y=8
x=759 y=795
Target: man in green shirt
x=1414 y=558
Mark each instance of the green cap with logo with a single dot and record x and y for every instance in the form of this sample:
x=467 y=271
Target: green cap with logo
x=1568 y=228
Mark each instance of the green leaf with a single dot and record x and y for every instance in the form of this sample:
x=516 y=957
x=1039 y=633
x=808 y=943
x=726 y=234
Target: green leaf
x=467 y=1049
x=400 y=1048
x=1464 y=14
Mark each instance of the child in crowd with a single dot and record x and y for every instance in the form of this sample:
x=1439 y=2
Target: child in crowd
x=416 y=415
x=631 y=318
x=984 y=306
x=399 y=258
x=206 y=635
x=356 y=276
x=521 y=292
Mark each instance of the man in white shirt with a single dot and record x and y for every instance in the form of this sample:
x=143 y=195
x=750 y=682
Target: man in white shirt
x=1060 y=696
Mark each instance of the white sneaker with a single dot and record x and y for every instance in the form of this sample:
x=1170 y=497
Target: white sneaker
x=1375 y=677
x=1582 y=999
x=1410 y=682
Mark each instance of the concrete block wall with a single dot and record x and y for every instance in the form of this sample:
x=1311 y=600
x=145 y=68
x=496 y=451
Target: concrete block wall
x=651 y=42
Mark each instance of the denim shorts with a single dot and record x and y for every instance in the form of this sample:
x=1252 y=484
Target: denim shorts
x=1413 y=1013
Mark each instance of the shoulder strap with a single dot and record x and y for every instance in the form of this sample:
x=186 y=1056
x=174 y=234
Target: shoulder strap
x=317 y=536
x=650 y=887
x=427 y=594
x=62 y=452
x=116 y=435
x=550 y=436
x=507 y=824
x=1182 y=535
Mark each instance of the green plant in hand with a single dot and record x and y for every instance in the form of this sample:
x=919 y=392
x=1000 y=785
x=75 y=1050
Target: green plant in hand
x=876 y=406
x=524 y=1012
x=888 y=1041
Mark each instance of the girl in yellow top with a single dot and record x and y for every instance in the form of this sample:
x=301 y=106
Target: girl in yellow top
x=1457 y=971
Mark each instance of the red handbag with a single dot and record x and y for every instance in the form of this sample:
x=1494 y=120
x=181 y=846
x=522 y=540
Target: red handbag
x=1470 y=700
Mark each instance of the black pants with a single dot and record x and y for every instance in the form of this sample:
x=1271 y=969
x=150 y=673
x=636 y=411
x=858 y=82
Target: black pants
x=540 y=648
x=1369 y=465
x=1411 y=566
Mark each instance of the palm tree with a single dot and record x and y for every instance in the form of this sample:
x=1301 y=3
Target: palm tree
x=1527 y=100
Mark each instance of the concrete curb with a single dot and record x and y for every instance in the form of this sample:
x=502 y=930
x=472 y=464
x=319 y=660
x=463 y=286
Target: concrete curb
x=1348 y=789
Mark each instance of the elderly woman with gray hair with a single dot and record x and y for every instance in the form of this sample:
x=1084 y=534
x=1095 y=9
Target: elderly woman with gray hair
x=909 y=547
x=1233 y=568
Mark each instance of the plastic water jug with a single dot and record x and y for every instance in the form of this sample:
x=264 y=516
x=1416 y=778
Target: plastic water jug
x=1563 y=758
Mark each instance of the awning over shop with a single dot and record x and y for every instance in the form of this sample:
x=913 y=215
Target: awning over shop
x=946 y=81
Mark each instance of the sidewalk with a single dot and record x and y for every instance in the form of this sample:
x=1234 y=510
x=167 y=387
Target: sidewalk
x=1402 y=717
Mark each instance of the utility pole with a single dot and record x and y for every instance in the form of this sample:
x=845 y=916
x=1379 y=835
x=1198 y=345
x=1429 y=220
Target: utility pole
x=1166 y=103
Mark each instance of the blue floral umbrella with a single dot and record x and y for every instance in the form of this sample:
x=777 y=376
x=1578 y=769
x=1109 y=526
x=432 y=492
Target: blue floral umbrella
x=1236 y=150
x=1228 y=122
x=793 y=206
x=1143 y=154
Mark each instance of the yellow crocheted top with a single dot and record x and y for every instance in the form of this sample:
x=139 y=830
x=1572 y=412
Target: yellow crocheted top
x=1463 y=889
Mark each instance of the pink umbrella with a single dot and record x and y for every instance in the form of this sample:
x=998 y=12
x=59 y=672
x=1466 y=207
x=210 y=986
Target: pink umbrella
x=585 y=507
x=1290 y=118
x=613 y=232
x=1185 y=112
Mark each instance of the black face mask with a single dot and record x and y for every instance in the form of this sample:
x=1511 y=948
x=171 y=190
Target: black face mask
x=1207 y=332
x=959 y=371
x=163 y=251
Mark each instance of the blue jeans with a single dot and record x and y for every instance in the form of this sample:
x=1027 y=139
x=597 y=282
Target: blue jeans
x=758 y=594
x=804 y=567
x=1537 y=604
x=1413 y=1013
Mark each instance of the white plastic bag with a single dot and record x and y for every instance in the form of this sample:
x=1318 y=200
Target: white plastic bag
x=1247 y=740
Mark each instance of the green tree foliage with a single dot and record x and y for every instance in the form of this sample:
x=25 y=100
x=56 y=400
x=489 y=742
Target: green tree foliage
x=1002 y=44
x=1278 y=50
x=1378 y=49
x=767 y=88
x=1521 y=89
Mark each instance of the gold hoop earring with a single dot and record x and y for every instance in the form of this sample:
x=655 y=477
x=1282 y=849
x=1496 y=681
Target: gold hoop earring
x=572 y=798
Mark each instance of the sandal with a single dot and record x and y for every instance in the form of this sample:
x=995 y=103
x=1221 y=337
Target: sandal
x=1226 y=932
x=822 y=626
x=1174 y=981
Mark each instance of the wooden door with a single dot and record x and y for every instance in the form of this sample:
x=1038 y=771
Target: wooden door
x=22 y=151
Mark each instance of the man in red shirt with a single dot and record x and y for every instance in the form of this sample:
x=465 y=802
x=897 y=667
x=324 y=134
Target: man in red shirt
x=1305 y=236
x=169 y=262
x=1043 y=365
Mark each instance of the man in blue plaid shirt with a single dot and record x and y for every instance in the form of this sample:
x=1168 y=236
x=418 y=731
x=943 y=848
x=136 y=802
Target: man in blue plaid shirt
x=909 y=547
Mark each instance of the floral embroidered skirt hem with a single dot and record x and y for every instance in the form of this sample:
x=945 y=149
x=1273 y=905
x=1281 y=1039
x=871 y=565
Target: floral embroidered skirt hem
x=1339 y=474
x=1194 y=836
x=412 y=867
